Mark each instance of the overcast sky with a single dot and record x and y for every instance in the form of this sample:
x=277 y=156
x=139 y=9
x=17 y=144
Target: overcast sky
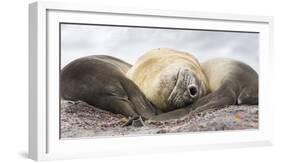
x=128 y=43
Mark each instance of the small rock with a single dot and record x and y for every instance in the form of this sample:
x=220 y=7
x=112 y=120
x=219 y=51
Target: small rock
x=138 y=122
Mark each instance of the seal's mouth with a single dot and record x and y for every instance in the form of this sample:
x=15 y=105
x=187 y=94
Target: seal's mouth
x=180 y=101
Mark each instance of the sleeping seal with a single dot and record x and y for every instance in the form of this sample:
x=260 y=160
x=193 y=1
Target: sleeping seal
x=230 y=82
x=100 y=81
x=169 y=79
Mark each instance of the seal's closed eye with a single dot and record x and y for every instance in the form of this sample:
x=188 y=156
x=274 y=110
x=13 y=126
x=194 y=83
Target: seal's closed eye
x=116 y=91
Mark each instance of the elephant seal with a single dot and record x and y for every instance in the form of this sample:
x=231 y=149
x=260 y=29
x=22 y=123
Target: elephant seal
x=100 y=81
x=169 y=79
x=230 y=82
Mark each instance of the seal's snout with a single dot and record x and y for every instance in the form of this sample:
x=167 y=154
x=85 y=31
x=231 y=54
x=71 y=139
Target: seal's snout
x=193 y=91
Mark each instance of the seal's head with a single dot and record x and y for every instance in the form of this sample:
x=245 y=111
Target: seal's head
x=168 y=78
x=187 y=89
x=249 y=96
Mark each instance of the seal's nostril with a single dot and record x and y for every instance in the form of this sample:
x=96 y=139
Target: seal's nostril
x=192 y=91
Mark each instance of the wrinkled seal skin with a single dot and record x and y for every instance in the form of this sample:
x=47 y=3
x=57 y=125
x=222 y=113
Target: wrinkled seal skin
x=100 y=81
x=231 y=82
x=169 y=79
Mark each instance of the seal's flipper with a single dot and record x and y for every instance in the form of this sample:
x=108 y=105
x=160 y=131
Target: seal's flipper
x=135 y=122
x=175 y=114
x=222 y=97
x=141 y=104
x=217 y=99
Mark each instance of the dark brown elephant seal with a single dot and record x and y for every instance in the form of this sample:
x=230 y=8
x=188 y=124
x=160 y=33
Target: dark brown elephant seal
x=169 y=79
x=230 y=82
x=100 y=81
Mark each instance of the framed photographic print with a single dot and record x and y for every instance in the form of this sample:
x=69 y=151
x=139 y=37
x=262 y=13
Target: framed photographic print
x=107 y=81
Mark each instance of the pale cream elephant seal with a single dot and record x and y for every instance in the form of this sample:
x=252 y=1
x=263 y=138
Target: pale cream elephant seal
x=231 y=82
x=169 y=79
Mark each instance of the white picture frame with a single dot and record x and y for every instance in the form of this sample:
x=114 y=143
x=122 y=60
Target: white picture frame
x=44 y=141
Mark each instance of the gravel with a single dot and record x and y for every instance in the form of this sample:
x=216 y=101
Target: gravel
x=78 y=120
